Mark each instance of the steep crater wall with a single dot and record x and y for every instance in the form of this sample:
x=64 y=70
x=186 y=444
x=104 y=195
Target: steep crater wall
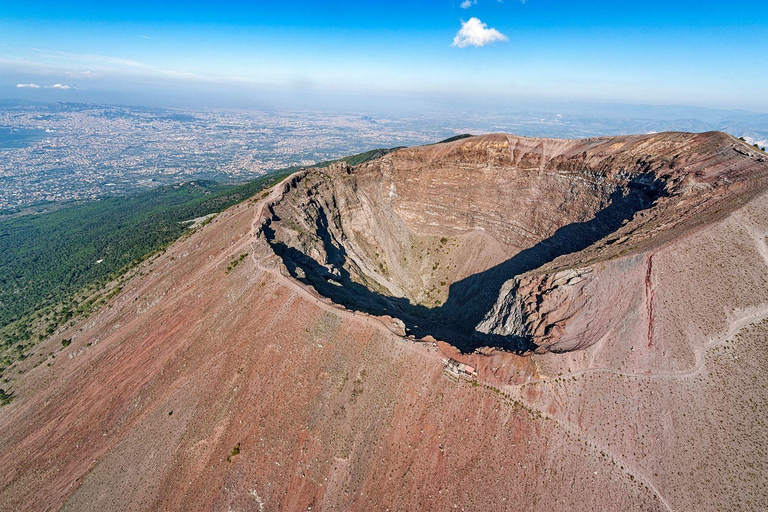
x=493 y=240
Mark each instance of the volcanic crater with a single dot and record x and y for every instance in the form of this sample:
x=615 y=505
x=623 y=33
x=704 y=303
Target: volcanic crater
x=632 y=272
x=520 y=244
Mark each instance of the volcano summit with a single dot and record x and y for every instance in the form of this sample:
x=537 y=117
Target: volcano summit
x=610 y=293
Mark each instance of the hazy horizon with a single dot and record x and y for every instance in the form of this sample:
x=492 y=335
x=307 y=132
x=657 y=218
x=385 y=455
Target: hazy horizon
x=380 y=57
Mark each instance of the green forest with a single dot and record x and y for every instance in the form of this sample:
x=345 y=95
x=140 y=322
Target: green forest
x=43 y=258
x=47 y=259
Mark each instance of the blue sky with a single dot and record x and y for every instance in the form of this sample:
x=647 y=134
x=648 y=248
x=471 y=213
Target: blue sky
x=705 y=53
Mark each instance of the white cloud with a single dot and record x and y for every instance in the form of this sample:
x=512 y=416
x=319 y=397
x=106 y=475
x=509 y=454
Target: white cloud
x=35 y=86
x=476 y=33
x=466 y=4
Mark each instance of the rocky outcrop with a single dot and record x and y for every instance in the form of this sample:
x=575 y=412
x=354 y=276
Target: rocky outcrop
x=569 y=309
x=538 y=307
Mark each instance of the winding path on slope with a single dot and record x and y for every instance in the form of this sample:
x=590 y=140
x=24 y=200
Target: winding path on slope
x=740 y=319
x=328 y=306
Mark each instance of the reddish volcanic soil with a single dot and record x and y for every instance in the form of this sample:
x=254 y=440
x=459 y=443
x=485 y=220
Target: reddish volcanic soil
x=643 y=385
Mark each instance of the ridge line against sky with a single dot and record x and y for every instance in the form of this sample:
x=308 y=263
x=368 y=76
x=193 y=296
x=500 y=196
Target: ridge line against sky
x=254 y=53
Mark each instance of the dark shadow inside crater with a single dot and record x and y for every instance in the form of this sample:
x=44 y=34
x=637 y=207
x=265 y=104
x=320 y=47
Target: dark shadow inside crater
x=469 y=299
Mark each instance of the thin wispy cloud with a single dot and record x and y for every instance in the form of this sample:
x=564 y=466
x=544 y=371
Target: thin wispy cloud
x=474 y=32
x=466 y=4
x=145 y=37
x=58 y=86
x=89 y=57
x=98 y=66
x=27 y=86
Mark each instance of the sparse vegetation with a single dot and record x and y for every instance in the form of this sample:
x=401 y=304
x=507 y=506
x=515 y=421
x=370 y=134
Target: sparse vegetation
x=235 y=452
x=5 y=397
x=235 y=262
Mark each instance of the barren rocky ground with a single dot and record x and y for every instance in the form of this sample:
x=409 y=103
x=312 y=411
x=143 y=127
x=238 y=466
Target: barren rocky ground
x=611 y=293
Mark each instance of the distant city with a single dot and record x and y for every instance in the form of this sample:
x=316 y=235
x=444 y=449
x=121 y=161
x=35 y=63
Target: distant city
x=65 y=152
x=70 y=152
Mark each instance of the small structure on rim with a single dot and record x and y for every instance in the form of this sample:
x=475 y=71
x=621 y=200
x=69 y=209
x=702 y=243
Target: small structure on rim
x=462 y=369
